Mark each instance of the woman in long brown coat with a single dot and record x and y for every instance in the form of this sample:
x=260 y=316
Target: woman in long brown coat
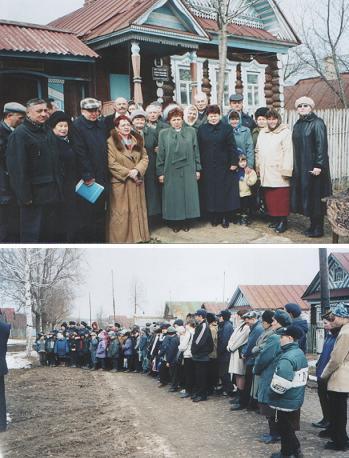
x=128 y=162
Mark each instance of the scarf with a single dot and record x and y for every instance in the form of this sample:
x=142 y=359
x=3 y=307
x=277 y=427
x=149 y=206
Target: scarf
x=240 y=173
x=176 y=143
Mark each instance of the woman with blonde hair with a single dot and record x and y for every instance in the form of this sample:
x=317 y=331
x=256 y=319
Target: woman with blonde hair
x=191 y=115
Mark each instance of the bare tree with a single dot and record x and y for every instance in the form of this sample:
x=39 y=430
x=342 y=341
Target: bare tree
x=324 y=39
x=137 y=295
x=224 y=12
x=57 y=304
x=28 y=274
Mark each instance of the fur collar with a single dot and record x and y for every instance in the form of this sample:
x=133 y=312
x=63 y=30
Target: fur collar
x=137 y=140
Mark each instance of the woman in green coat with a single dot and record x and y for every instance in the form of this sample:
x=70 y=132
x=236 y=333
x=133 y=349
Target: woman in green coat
x=178 y=168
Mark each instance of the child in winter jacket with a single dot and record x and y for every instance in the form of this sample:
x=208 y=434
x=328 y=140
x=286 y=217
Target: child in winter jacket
x=41 y=349
x=247 y=179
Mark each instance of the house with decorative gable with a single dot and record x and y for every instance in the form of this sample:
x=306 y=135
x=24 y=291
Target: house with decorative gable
x=167 y=50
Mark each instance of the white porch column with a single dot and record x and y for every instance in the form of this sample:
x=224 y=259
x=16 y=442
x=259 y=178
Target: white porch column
x=136 y=66
x=194 y=74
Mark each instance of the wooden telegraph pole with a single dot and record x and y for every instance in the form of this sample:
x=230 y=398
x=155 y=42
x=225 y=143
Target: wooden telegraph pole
x=90 y=305
x=324 y=287
x=112 y=287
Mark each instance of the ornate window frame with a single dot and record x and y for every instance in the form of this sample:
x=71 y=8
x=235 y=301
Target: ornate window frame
x=258 y=69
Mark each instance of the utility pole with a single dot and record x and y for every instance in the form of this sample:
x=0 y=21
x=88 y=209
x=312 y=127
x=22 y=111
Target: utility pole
x=89 y=302
x=112 y=288
x=324 y=288
x=135 y=297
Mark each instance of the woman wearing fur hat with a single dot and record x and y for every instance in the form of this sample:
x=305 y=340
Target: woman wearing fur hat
x=274 y=163
x=311 y=179
x=178 y=169
x=67 y=211
x=128 y=162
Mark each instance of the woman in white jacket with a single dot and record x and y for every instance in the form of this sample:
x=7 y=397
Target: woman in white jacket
x=185 y=341
x=237 y=365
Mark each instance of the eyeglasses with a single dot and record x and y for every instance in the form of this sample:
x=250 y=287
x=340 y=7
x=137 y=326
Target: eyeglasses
x=303 y=105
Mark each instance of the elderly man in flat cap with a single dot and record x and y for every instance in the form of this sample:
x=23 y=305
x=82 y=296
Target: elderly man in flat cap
x=89 y=140
x=236 y=103
x=311 y=179
x=14 y=114
x=35 y=174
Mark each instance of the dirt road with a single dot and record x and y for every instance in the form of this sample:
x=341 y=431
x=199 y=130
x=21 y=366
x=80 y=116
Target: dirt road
x=64 y=412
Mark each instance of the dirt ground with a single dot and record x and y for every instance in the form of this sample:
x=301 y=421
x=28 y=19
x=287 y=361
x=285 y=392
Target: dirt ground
x=257 y=232
x=66 y=412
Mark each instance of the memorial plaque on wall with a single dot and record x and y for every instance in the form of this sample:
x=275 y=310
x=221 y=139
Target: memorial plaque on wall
x=160 y=73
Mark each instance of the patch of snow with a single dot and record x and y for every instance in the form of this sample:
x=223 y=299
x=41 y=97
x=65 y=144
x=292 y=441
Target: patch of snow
x=313 y=378
x=8 y=418
x=16 y=342
x=18 y=360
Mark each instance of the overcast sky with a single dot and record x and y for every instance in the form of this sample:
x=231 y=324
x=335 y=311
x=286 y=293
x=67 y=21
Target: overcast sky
x=44 y=11
x=186 y=274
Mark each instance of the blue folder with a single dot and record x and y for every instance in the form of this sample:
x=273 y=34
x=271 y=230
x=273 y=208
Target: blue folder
x=90 y=193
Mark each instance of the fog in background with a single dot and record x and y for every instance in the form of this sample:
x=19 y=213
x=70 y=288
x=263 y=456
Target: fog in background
x=185 y=274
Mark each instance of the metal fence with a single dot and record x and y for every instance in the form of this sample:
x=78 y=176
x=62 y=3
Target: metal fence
x=337 y=122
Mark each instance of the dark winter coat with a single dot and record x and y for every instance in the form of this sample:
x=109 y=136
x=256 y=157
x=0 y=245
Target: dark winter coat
x=289 y=379
x=61 y=347
x=265 y=364
x=178 y=160
x=327 y=348
x=255 y=332
x=225 y=330
x=202 y=343
x=4 y=335
x=304 y=327
x=68 y=217
x=113 y=348
x=220 y=185
x=172 y=350
x=33 y=164
x=310 y=150
x=50 y=345
x=6 y=194
x=89 y=140
x=128 y=347
x=151 y=182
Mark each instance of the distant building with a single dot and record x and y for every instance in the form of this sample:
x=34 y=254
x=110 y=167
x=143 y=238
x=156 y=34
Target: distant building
x=180 y=310
x=123 y=320
x=338 y=273
x=318 y=90
x=142 y=320
x=17 y=321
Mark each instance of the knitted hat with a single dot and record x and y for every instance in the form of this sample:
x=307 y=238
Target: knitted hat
x=306 y=100
x=267 y=316
x=282 y=318
x=201 y=312
x=261 y=112
x=225 y=314
x=138 y=114
x=210 y=317
x=250 y=314
x=341 y=310
x=292 y=331
x=293 y=309
x=178 y=322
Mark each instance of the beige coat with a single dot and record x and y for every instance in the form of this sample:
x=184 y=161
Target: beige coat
x=239 y=337
x=274 y=157
x=127 y=221
x=214 y=332
x=246 y=183
x=336 y=371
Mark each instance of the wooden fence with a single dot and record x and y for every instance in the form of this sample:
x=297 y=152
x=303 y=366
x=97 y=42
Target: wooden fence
x=337 y=122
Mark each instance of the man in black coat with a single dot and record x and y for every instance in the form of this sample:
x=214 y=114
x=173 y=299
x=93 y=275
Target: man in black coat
x=4 y=335
x=35 y=174
x=14 y=114
x=201 y=347
x=89 y=139
x=225 y=330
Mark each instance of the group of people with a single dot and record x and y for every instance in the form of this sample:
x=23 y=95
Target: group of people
x=258 y=363
x=162 y=162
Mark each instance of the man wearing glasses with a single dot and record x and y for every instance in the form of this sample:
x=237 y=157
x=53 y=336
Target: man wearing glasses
x=89 y=139
x=311 y=179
